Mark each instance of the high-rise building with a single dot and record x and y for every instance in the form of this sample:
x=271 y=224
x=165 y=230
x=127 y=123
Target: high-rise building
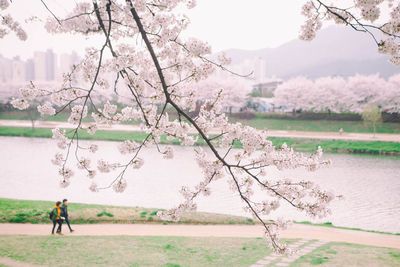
x=50 y=65
x=259 y=70
x=39 y=59
x=29 y=70
x=18 y=71
x=66 y=63
x=5 y=70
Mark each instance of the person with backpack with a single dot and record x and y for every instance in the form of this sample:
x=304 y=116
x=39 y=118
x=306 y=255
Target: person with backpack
x=55 y=216
x=64 y=213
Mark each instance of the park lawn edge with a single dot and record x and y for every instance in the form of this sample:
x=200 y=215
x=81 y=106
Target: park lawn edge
x=299 y=144
x=241 y=220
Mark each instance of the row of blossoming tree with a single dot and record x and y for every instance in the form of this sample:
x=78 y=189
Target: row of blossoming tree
x=337 y=94
x=155 y=69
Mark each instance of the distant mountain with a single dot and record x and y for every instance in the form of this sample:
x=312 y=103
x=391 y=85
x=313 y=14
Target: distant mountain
x=335 y=51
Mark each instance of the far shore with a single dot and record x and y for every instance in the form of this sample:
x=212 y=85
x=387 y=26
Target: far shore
x=308 y=145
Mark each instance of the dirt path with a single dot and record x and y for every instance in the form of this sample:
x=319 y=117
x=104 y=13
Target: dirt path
x=14 y=263
x=272 y=133
x=295 y=231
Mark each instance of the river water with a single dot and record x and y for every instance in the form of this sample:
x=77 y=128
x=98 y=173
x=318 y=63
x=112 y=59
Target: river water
x=370 y=184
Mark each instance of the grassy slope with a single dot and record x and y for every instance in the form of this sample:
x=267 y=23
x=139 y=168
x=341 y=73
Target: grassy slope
x=30 y=211
x=299 y=144
x=178 y=251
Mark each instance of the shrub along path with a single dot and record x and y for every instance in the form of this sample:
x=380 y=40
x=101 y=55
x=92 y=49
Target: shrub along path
x=294 y=231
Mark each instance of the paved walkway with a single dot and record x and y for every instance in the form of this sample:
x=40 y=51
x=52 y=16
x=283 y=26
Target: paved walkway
x=300 y=248
x=294 y=231
x=272 y=133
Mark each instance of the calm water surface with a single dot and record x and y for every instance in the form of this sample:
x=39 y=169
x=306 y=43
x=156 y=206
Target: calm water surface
x=370 y=184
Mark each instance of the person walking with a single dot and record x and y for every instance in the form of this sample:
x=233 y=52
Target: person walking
x=64 y=213
x=57 y=218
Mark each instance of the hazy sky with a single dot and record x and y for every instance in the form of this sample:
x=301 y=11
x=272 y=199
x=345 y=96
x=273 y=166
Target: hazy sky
x=245 y=24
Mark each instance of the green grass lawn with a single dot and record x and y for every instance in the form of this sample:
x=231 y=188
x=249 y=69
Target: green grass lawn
x=178 y=251
x=344 y=146
x=319 y=125
x=23 y=115
x=299 y=144
x=133 y=251
x=32 y=211
x=99 y=135
x=335 y=254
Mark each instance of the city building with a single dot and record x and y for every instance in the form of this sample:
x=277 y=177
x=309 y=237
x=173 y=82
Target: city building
x=66 y=62
x=51 y=63
x=18 y=70
x=30 y=70
x=41 y=68
x=266 y=89
x=39 y=59
x=5 y=69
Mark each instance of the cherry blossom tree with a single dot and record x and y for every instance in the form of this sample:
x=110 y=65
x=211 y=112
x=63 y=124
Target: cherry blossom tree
x=337 y=94
x=363 y=91
x=328 y=94
x=234 y=91
x=295 y=94
x=391 y=99
x=143 y=50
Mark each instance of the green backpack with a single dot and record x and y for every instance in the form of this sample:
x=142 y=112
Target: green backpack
x=51 y=214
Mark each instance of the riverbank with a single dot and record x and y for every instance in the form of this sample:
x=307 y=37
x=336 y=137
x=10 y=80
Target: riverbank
x=299 y=144
x=36 y=212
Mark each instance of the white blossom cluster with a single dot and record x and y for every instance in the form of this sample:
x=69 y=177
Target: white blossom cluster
x=361 y=15
x=168 y=152
x=120 y=186
x=105 y=166
x=60 y=137
x=336 y=94
x=46 y=109
x=28 y=93
x=78 y=113
x=9 y=24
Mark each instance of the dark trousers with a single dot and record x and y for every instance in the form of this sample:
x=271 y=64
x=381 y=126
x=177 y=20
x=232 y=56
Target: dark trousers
x=59 y=222
x=67 y=221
